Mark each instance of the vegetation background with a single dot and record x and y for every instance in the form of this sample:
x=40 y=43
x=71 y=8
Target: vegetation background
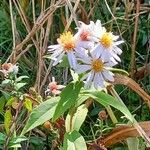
x=27 y=27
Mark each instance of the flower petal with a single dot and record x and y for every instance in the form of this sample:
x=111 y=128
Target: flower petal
x=60 y=87
x=72 y=60
x=88 y=82
x=56 y=54
x=118 y=42
x=58 y=59
x=108 y=75
x=100 y=80
x=53 y=47
x=97 y=51
x=82 y=68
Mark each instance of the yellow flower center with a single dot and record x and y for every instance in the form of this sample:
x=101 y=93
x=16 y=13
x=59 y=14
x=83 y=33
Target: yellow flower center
x=67 y=41
x=107 y=39
x=97 y=65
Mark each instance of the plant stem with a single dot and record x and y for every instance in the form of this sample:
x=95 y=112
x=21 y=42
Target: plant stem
x=72 y=111
x=111 y=114
x=135 y=123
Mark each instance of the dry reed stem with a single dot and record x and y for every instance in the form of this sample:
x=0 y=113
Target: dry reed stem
x=48 y=28
x=37 y=25
x=113 y=17
x=133 y=44
x=13 y=30
x=113 y=12
x=92 y=9
x=26 y=24
x=73 y=15
x=141 y=132
x=39 y=22
x=45 y=44
x=72 y=10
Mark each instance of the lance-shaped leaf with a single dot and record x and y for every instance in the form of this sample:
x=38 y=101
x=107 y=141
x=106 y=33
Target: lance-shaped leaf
x=106 y=99
x=77 y=119
x=41 y=114
x=7 y=120
x=74 y=141
x=68 y=98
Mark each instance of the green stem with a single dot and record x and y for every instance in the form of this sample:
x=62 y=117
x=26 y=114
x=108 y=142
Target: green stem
x=71 y=112
x=111 y=114
x=135 y=123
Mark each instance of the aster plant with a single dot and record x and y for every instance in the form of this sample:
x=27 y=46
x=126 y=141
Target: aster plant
x=92 y=53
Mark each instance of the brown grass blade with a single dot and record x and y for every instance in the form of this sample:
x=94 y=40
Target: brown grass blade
x=123 y=132
x=124 y=80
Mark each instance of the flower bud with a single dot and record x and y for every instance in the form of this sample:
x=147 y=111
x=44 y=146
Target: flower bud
x=102 y=115
x=47 y=125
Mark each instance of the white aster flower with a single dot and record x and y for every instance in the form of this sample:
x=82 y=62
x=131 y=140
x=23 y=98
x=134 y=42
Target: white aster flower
x=66 y=45
x=106 y=45
x=83 y=36
x=96 y=70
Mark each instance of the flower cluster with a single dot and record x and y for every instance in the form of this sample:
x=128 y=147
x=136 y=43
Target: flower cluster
x=91 y=51
x=8 y=68
x=54 y=88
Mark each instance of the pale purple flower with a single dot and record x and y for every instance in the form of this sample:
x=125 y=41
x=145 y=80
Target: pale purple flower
x=95 y=69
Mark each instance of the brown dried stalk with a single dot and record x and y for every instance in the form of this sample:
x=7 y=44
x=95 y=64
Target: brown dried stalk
x=123 y=132
x=133 y=63
x=40 y=21
x=93 y=4
x=73 y=15
x=121 y=79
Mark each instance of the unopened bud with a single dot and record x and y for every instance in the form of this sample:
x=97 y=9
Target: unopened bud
x=102 y=115
x=47 y=125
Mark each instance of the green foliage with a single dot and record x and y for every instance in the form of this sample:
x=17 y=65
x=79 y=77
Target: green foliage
x=133 y=143
x=68 y=98
x=15 y=142
x=41 y=114
x=28 y=104
x=77 y=119
x=74 y=141
x=7 y=120
x=34 y=68
x=106 y=100
x=2 y=138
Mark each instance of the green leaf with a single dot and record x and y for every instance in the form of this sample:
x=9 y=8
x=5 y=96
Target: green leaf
x=2 y=138
x=74 y=75
x=77 y=119
x=64 y=63
x=6 y=95
x=28 y=104
x=41 y=114
x=15 y=142
x=21 y=77
x=2 y=103
x=81 y=99
x=19 y=85
x=133 y=143
x=74 y=141
x=10 y=101
x=7 y=120
x=106 y=100
x=15 y=146
x=6 y=81
x=68 y=98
